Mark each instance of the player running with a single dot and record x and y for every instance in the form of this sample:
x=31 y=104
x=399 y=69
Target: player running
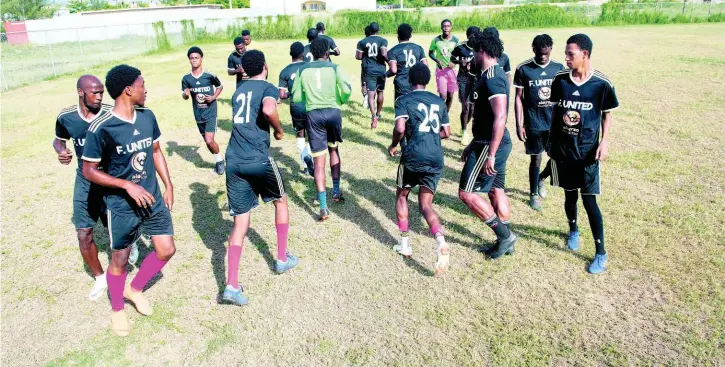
x=204 y=88
x=88 y=208
x=311 y=36
x=234 y=62
x=462 y=55
x=364 y=88
x=297 y=110
x=252 y=172
x=323 y=87
x=126 y=142
x=402 y=57
x=440 y=52
x=373 y=51
x=422 y=118
x=334 y=50
x=583 y=101
x=485 y=157
x=533 y=108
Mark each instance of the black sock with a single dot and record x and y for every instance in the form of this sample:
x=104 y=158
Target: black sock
x=570 y=199
x=499 y=228
x=546 y=172
x=534 y=167
x=596 y=222
x=507 y=223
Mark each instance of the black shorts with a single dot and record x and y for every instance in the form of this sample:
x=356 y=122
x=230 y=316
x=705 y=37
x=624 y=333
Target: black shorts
x=299 y=119
x=88 y=206
x=408 y=179
x=362 y=76
x=462 y=96
x=473 y=179
x=582 y=176
x=246 y=182
x=324 y=129
x=125 y=228
x=375 y=83
x=536 y=142
x=206 y=119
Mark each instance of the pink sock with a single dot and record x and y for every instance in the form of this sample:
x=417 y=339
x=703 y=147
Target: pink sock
x=151 y=266
x=403 y=225
x=435 y=230
x=116 y=283
x=282 y=234
x=233 y=255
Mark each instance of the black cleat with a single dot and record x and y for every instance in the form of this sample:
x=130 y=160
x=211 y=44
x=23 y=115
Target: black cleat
x=220 y=168
x=310 y=165
x=505 y=247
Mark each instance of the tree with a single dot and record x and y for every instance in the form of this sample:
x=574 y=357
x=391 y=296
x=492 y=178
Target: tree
x=27 y=9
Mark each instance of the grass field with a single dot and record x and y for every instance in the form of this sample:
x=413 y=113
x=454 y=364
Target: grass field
x=352 y=300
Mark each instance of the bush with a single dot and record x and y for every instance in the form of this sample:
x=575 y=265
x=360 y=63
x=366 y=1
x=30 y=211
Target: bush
x=162 y=41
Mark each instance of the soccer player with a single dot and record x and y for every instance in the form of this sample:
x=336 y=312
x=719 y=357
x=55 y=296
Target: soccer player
x=422 y=118
x=485 y=157
x=88 y=208
x=204 y=88
x=503 y=60
x=247 y=37
x=297 y=110
x=334 y=50
x=323 y=87
x=364 y=88
x=584 y=99
x=126 y=142
x=311 y=36
x=373 y=51
x=440 y=52
x=402 y=57
x=533 y=108
x=252 y=172
x=234 y=62
x=462 y=55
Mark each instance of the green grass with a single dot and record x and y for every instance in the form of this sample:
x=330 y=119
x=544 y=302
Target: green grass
x=352 y=300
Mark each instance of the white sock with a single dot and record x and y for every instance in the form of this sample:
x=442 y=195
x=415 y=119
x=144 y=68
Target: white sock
x=306 y=152
x=101 y=278
x=440 y=240
x=301 y=148
x=218 y=157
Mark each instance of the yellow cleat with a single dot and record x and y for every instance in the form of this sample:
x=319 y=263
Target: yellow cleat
x=139 y=301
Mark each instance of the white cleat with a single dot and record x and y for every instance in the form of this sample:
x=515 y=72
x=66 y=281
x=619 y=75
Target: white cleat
x=443 y=253
x=99 y=288
x=404 y=247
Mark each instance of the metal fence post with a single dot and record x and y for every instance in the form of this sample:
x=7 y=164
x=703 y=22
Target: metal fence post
x=80 y=46
x=50 y=52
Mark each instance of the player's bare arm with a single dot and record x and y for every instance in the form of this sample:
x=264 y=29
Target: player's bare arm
x=358 y=55
x=65 y=156
x=519 y=113
x=445 y=132
x=603 y=150
x=432 y=56
x=398 y=133
x=163 y=171
x=139 y=195
x=185 y=95
x=212 y=98
x=498 y=105
x=269 y=109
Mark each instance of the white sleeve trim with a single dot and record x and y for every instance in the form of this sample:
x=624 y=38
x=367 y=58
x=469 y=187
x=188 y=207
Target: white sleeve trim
x=359 y=50
x=282 y=88
x=59 y=138
x=157 y=139
x=508 y=72
x=611 y=109
x=90 y=159
x=518 y=86
x=496 y=96
x=402 y=117
x=446 y=124
x=269 y=97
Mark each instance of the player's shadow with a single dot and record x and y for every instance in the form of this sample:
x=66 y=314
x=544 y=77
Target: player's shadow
x=309 y=194
x=213 y=229
x=225 y=101
x=190 y=153
x=225 y=124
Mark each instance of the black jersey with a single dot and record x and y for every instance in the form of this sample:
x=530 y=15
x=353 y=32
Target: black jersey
x=330 y=42
x=463 y=54
x=199 y=87
x=71 y=125
x=426 y=114
x=504 y=62
x=125 y=149
x=577 y=117
x=405 y=55
x=493 y=83
x=535 y=80
x=234 y=62
x=287 y=80
x=371 y=48
x=249 y=142
x=308 y=54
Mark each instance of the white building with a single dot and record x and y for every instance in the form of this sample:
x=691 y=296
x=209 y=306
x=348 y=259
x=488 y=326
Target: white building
x=294 y=7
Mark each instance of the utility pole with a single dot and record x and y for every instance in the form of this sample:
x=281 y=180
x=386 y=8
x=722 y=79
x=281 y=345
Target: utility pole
x=401 y=4
x=230 y=4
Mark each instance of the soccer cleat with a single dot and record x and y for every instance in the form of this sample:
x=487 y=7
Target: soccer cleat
x=219 y=168
x=310 y=165
x=119 y=323
x=443 y=253
x=542 y=189
x=139 y=301
x=283 y=267
x=338 y=198
x=133 y=254
x=464 y=138
x=404 y=247
x=505 y=247
x=374 y=122
x=234 y=296
x=488 y=250
x=99 y=288
x=572 y=241
x=535 y=203
x=324 y=214
x=598 y=264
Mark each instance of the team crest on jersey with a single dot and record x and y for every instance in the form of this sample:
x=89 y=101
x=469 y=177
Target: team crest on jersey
x=200 y=98
x=572 y=118
x=138 y=161
x=544 y=93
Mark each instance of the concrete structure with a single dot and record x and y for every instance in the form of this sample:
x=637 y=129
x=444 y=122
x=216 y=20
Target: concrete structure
x=293 y=7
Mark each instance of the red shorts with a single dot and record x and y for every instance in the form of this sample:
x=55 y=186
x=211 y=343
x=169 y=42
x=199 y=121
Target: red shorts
x=446 y=80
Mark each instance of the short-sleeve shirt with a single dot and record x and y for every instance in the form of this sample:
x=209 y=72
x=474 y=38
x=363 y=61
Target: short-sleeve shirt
x=577 y=117
x=125 y=149
x=287 y=80
x=371 y=48
x=505 y=62
x=443 y=48
x=493 y=84
x=200 y=87
x=308 y=54
x=405 y=55
x=249 y=142
x=463 y=54
x=321 y=84
x=330 y=41
x=426 y=115
x=535 y=80
x=234 y=62
x=71 y=125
